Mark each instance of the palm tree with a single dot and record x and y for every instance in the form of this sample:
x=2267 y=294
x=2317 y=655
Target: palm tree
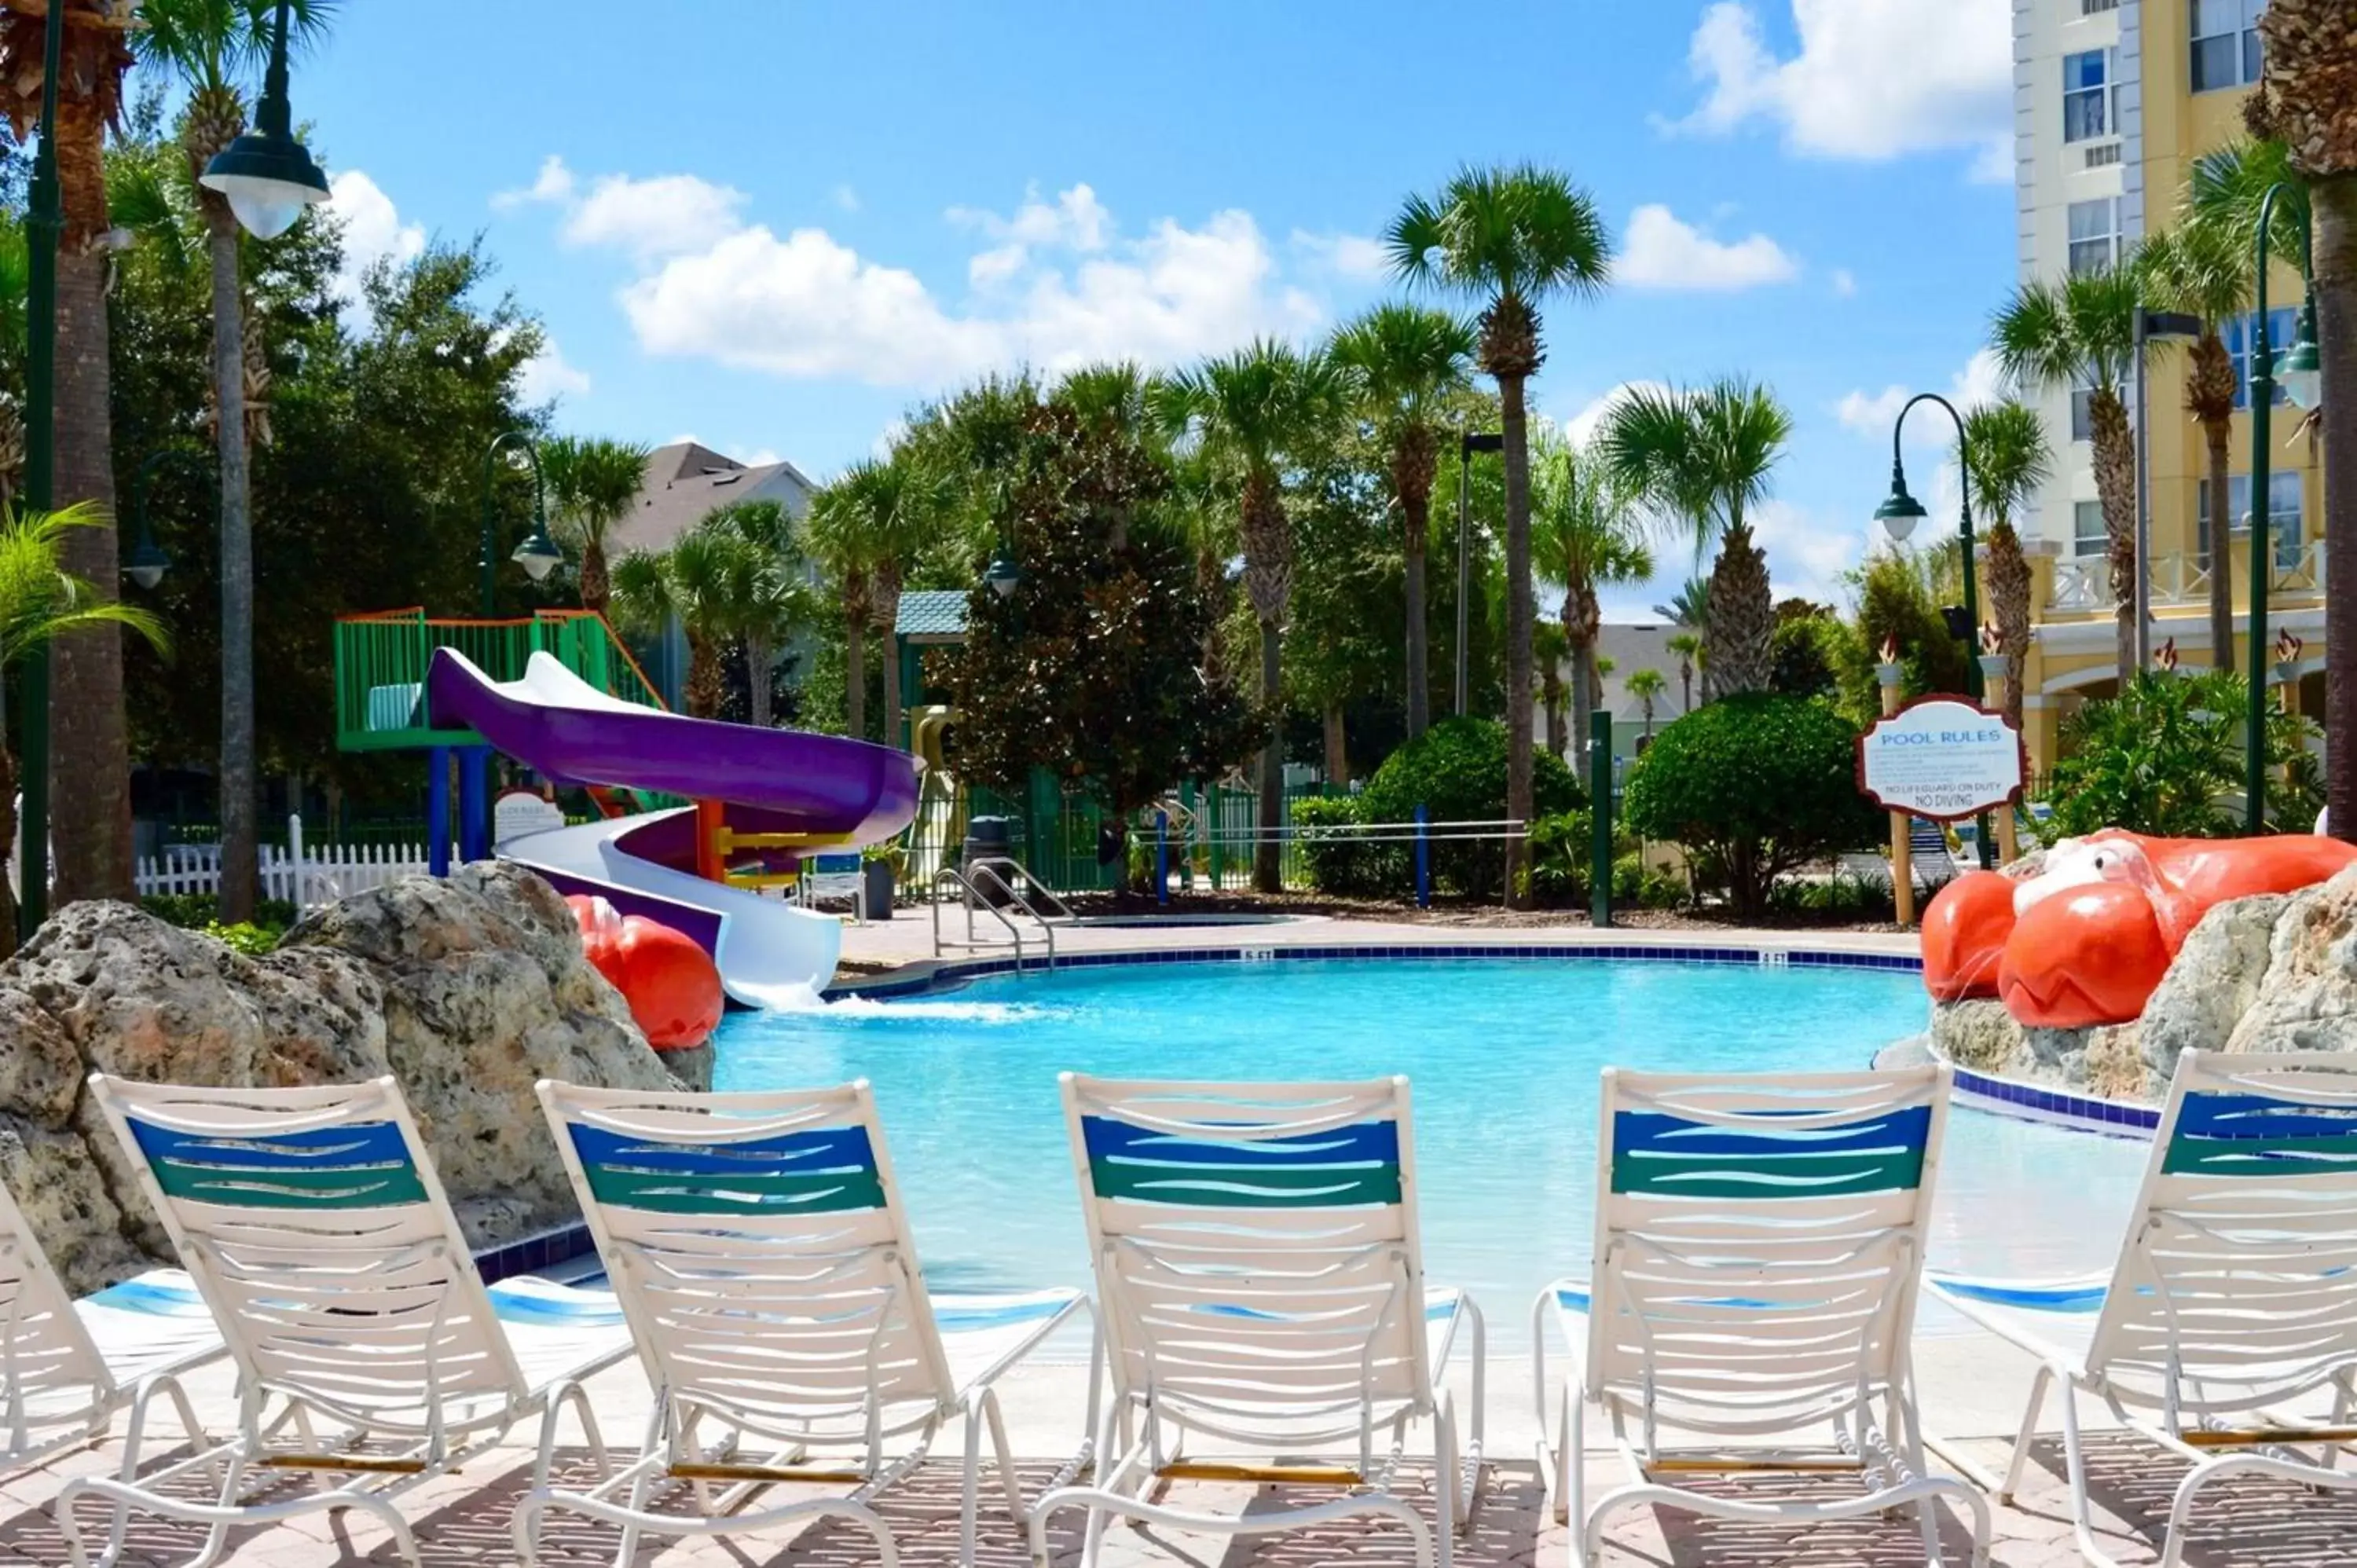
x=1585 y=535
x=1701 y=458
x=594 y=482
x=40 y=601
x=2202 y=267
x=869 y=526
x=1549 y=649
x=1250 y=414
x=211 y=46
x=1404 y=361
x=1690 y=606
x=1687 y=646
x=1646 y=685
x=707 y=581
x=2007 y=461
x=773 y=598
x=2304 y=101
x=89 y=757
x=2081 y=334
x=1513 y=237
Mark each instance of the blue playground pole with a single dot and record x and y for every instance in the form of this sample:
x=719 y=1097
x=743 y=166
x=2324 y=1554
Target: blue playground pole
x=437 y=810
x=474 y=802
x=1162 y=857
x=1423 y=858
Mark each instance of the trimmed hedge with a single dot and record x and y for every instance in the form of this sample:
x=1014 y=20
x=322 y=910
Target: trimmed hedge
x=1457 y=771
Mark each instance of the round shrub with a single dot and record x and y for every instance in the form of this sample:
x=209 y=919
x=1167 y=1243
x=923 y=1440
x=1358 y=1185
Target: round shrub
x=1349 y=866
x=1758 y=785
x=1457 y=771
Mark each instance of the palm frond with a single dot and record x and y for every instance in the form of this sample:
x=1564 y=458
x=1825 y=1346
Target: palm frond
x=2005 y=459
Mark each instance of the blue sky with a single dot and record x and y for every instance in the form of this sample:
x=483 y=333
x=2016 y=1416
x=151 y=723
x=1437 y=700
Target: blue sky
x=774 y=226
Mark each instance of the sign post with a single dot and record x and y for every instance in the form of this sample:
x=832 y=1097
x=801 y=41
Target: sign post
x=1943 y=758
x=1903 y=848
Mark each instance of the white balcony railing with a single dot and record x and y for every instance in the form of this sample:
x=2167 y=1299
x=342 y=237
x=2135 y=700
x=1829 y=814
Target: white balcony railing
x=2082 y=584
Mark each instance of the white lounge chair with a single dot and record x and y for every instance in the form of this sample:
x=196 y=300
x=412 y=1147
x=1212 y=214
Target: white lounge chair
x=2235 y=1294
x=759 y=1248
x=1260 y=1281
x=68 y=1366
x=1758 y=1242
x=313 y=1227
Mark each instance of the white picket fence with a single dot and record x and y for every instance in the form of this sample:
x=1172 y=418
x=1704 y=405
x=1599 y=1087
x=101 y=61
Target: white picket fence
x=304 y=876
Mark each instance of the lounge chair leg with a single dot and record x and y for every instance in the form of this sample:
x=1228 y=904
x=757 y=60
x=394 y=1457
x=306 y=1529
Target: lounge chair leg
x=2020 y=1460
x=2075 y=1462
x=1445 y=1478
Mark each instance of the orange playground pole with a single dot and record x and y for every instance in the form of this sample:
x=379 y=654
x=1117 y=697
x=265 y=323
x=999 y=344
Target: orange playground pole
x=710 y=823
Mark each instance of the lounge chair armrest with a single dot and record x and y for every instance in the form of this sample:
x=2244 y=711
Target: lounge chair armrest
x=981 y=1381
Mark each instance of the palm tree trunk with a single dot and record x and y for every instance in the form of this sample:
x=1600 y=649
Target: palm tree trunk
x=1685 y=686
x=706 y=688
x=888 y=616
x=2115 y=448
x=2008 y=586
x=855 y=675
x=1520 y=618
x=1418 y=511
x=597 y=583
x=90 y=761
x=239 y=826
x=1583 y=672
x=2222 y=551
x=1268 y=875
x=2335 y=291
x=8 y=825
x=1337 y=747
x=756 y=678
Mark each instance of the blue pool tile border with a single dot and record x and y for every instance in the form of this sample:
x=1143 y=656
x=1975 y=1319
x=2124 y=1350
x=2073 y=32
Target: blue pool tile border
x=2060 y=1107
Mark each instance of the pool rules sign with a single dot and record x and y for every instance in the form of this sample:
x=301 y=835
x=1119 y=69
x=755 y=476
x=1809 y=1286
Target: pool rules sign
x=1944 y=758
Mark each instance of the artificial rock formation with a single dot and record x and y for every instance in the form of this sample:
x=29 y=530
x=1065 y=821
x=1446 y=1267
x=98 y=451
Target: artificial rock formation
x=466 y=989
x=2275 y=973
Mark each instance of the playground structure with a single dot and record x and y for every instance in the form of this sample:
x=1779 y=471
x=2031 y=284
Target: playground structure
x=728 y=811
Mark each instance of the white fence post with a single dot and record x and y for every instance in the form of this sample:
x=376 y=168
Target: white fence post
x=305 y=877
x=295 y=858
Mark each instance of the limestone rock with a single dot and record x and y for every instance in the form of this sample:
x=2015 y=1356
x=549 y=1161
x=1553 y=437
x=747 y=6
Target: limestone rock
x=1978 y=1034
x=2215 y=981
x=2308 y=1001
x=466 y=991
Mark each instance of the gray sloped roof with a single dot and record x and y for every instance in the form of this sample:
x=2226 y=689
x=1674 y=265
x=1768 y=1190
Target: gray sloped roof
x=932 y=612
x=684 y=480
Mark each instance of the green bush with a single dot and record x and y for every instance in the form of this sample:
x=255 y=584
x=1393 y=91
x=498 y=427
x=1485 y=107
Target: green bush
x=1838 y=897
x=1457 y=771
x=1563 y=853
x=2167 y=757
x=245 y=936
x=1349 y=868
x=198 y=911
x=1757 y=784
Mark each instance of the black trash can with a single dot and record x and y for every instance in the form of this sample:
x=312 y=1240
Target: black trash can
x=990 y=840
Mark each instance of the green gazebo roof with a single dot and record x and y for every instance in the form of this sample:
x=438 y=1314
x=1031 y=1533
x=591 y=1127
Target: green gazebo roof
x=931 y=615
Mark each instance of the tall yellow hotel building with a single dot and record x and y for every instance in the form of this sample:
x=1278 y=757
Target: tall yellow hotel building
x=2114 y=102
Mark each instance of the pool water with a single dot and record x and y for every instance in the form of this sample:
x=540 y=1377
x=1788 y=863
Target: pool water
x=1502 y=1055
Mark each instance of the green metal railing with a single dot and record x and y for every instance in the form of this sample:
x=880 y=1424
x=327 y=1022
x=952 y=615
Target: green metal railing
x=381 y=660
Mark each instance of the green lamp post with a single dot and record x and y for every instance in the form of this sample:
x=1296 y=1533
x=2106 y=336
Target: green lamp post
x=538 y=555
x=148 y=563
x=266 y=176
x=2300 y=373
x=44 y=221
x=1898 y=514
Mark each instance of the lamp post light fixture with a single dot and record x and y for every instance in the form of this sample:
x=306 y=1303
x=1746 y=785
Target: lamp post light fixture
x=1898 y=514
x=1002 y=574
x=148 y=562
x=538 y=555
x=2301 y=367
x=1468 y=443
x=266 y=174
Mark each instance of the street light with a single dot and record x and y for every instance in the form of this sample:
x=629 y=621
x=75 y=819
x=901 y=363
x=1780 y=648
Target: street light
x=1468 y=443
x=148 y=562
x=538 y=555
x=2303 y=381
x=44 y=219
x=266 y=174
x=1898 y=514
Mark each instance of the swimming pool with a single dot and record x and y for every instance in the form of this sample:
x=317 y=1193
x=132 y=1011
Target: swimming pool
x=1503 y=1055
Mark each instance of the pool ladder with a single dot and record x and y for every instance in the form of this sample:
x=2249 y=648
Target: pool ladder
x=976 y=884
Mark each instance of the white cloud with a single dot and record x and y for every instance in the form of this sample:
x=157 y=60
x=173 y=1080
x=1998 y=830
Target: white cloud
x=1844 y=283
x=548 y=375
x=1660 y=251
x=761 y=457
x=373 y=231
x=1870 y=414
x=554 y=184
x=1872 y=79
x=847 y=198
x=1582 y=426
x=1981 y=383
x=1058 y=286
x=1353 y=256
x=667 y=215
x=1806 y=555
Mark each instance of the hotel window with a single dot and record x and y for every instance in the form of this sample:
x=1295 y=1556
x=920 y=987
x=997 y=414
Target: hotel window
x=2226 y=50
x=2095 y=234
x=2283 y=327
x=2087 y=96
x=2089 y=537
x=2286 y=494
x=2083 y=414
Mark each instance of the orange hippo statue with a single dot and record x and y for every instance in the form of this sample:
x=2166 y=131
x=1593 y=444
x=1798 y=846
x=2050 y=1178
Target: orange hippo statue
x=2087 y=938
x=671 y=985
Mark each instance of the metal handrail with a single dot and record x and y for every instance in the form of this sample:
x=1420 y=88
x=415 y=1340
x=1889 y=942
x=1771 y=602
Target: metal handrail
x=966 y=891
x=988 y=868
